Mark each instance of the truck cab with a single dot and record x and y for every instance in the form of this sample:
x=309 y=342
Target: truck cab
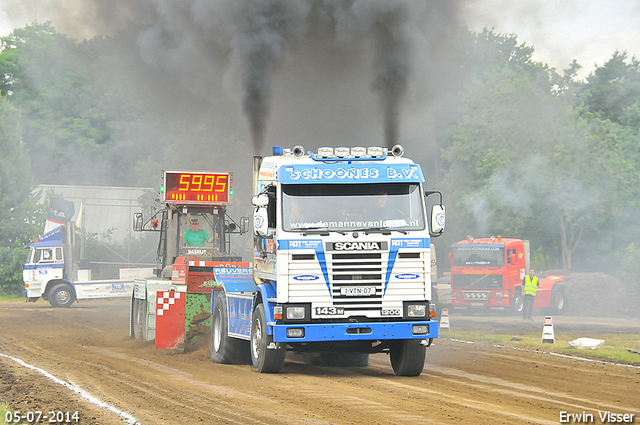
x=52 y=273
x=487 y=273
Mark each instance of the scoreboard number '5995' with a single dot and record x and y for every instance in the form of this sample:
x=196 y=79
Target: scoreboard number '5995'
x=197 y=188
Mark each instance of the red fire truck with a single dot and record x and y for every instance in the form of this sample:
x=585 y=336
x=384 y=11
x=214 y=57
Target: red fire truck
x=488 y=273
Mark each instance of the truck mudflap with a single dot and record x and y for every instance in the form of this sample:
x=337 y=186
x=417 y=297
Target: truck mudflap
x=372 y=331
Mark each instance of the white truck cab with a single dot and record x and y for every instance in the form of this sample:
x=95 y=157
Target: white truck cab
x=50 y=273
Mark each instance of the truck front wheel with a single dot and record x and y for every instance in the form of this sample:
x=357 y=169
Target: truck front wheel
x=517 y=303
x=407 y=357
x=225 y=349
x=62 y=295
x=266 y=356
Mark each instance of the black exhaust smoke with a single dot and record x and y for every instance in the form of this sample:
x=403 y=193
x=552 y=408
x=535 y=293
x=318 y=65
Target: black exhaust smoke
x=239 y=44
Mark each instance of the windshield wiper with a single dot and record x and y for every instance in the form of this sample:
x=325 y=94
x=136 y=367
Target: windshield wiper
x=383 y=230
x=323 y=231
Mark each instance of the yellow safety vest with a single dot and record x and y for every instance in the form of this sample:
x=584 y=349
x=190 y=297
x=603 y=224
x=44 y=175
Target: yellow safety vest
x=530 y=285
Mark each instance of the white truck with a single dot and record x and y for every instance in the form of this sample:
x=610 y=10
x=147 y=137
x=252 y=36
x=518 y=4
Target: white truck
x=341 y=267
x=51 y=272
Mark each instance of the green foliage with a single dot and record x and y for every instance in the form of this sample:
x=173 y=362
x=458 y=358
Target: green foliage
x=81 y=123
x=613 y=88
x=21 y=215
x=540 y=156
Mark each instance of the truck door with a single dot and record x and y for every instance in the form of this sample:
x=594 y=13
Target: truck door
x=47 y=264
x=264 y=246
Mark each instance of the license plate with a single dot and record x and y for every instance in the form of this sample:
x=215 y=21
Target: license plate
x=477 y=304
x=358 y=291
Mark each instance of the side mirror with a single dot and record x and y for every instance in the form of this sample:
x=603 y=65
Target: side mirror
x=137 y=222
x=437 y=220
x=244 y=224
x=260 y=222
x=261 y=200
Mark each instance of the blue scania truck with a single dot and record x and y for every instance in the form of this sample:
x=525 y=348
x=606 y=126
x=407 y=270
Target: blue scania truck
x=341 y=265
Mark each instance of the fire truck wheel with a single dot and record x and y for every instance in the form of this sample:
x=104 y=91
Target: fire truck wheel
x=264 y=359
x=518 y=302
x=62 y=295
x=407 y=357
x=138 y=318
x=345 y=359
x=558 y=300
x=225 y=349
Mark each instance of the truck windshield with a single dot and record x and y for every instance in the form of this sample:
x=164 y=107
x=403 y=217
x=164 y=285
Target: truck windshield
x=478 y=256
x=346 y=207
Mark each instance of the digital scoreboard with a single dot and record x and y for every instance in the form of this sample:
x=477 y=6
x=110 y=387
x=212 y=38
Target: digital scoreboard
x=195 y=188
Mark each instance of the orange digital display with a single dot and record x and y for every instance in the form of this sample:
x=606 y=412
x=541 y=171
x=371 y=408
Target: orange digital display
x=196 y=188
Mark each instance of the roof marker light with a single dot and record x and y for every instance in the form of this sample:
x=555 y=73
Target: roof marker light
x=375 y=151
x=325 y=152
x=358 y=152
x=341 y=152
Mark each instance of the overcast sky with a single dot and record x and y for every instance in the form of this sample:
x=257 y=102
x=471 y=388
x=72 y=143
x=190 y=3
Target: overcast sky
x=589 y=31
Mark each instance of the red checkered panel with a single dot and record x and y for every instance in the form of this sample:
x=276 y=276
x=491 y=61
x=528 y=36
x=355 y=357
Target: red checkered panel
x=170 y=316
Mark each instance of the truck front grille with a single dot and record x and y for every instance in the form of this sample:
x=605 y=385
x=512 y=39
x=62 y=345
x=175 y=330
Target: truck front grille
x=362 y=283
x=351 y=272
x=477 y=281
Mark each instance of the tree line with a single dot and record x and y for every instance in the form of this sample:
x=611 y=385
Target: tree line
x=521 y=149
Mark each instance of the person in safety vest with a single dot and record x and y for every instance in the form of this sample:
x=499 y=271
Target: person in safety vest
x=530 y=285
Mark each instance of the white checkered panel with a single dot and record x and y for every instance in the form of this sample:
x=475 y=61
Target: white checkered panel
x=166 y=300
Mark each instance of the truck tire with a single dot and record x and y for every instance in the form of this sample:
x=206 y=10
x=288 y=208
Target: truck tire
x=264 y=360
x=407 y=357
x=518 y=302
x=225 y=349
x=139 y=318
x=344 y=359
x=62 y=295
x=558 y=301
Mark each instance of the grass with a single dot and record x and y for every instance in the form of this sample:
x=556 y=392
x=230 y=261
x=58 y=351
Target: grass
x=615 y=348
x=6 y=297
x=3 y=412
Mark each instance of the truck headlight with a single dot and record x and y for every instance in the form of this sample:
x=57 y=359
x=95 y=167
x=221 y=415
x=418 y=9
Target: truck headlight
x=417 y=310
x=295 y=313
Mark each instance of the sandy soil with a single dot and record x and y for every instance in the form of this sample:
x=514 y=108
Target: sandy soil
x=88 y=346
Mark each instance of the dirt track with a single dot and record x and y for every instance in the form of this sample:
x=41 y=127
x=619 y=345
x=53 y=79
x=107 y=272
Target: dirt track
x=87 y=346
